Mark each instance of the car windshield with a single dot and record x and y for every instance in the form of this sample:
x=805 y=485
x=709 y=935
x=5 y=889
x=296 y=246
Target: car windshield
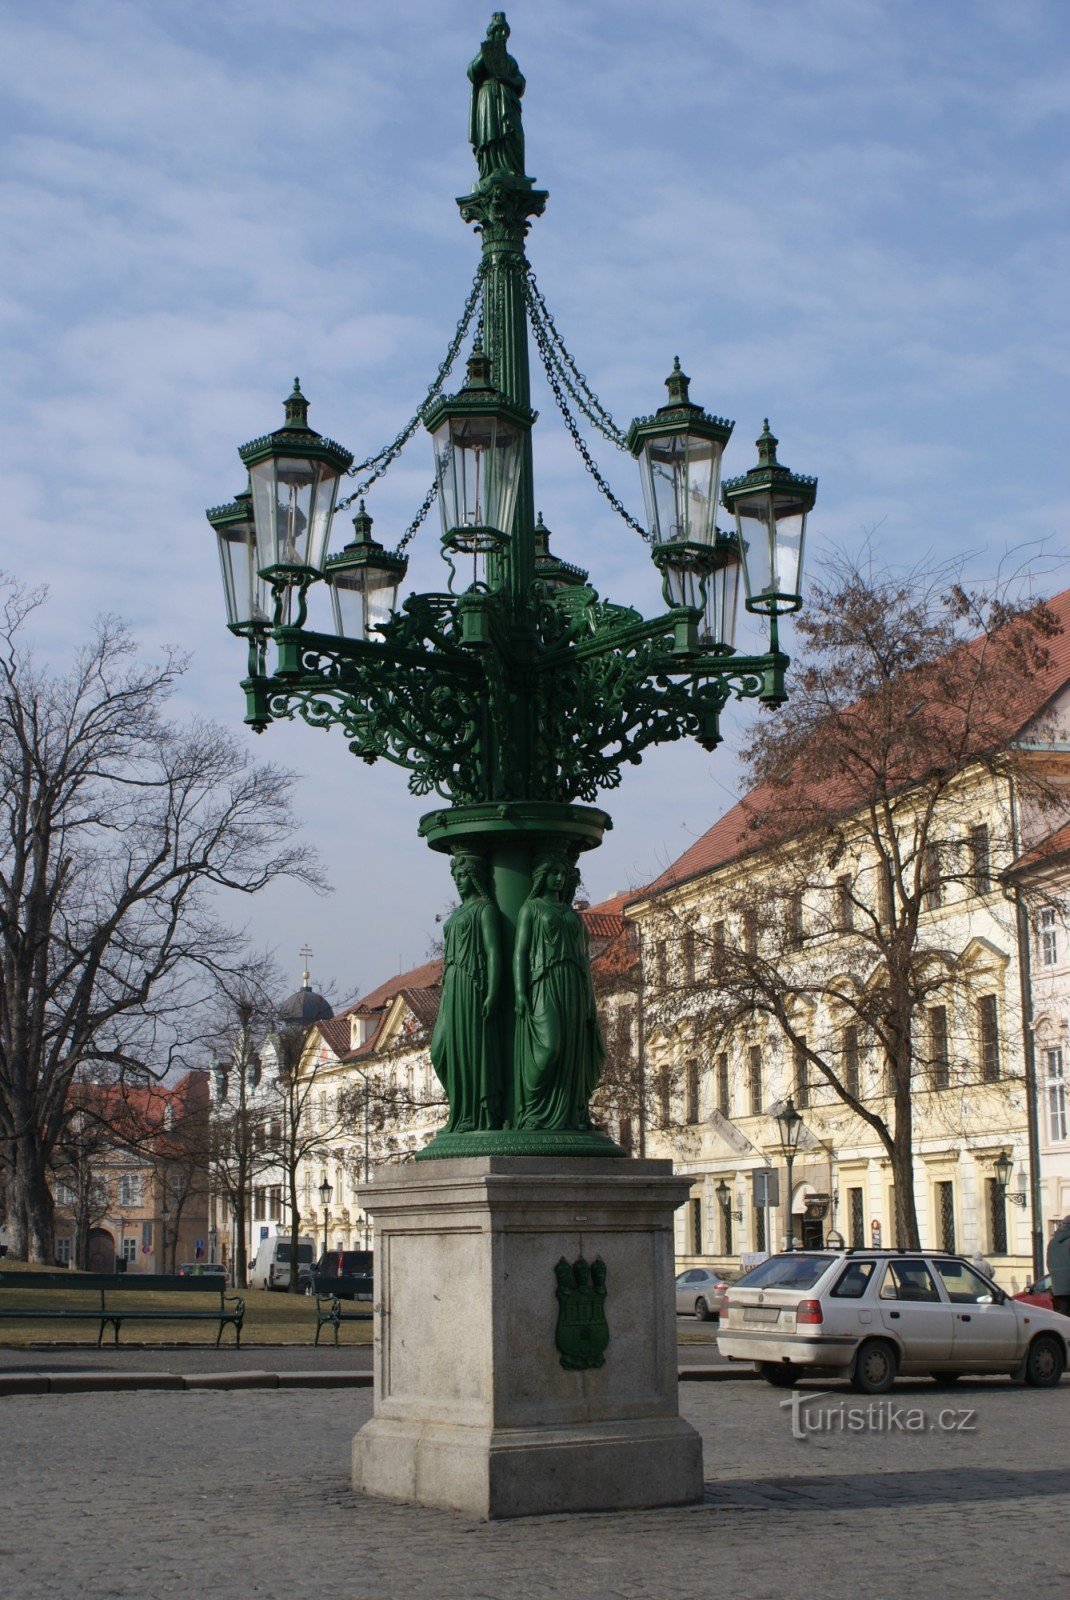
x=794 y=1271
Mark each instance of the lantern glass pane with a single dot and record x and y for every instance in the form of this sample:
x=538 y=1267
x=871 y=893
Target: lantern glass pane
x=722 y=606
x=380 y=598
x=245 y=592
x=477 y=462
x=756 y=525
x=681 y=475
x=293 y=501
x=347 y=603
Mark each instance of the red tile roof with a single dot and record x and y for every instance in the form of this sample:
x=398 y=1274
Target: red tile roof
x=736 y=833
x=1045 y=853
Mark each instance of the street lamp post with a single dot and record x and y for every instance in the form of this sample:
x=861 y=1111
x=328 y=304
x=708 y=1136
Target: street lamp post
x=1004 y=1165
x=326 y=1192
x=790 y=1122
x=514 y=693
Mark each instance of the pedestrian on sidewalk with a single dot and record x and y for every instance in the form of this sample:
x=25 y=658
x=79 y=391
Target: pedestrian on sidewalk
x=1059 y=1267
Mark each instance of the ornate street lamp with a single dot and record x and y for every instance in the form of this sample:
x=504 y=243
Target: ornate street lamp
x=771 y=505
x=294 y=475
x=679 y=450
x=478 y=437
x=363 y=579
x=247 y=594
x=326 y=1195
x=514 y=704
x=790 y=1124
x=1003 y=1166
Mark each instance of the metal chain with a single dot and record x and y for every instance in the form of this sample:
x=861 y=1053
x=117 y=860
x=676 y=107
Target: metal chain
x=570 y=374
x=429 y=499
x=376 y=465
x=542 y=341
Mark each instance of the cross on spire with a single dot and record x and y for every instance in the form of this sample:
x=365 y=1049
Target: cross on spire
x=306 y=956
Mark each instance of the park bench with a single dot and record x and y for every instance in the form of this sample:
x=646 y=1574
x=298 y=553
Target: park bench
x=114 y=1298
x=341 y=1300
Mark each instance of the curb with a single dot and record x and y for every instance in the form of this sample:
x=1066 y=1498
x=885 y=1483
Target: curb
x=33 y=1383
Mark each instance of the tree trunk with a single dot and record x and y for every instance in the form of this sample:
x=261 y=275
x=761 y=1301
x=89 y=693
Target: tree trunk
x=241 y=1249
x=34 y=1208
x=907 y=1234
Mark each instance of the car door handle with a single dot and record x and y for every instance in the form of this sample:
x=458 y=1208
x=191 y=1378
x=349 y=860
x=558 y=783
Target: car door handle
x=893 y=1314
x=963 y=1317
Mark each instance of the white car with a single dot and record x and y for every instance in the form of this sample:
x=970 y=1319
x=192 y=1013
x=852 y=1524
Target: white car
x=874 y=1315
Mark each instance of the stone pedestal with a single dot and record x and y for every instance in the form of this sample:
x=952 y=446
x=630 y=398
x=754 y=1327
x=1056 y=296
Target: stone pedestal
x=474 y=1410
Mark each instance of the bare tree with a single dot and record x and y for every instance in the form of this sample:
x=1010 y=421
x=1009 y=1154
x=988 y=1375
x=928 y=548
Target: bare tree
x=117 y=827
x=891 y=775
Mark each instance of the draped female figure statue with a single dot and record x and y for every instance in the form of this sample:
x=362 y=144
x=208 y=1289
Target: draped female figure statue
x=495 y=128
x=465 y=1048
x=559 y=1049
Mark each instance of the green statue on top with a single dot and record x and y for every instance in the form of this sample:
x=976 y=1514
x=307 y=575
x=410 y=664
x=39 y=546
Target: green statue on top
x=495 y=129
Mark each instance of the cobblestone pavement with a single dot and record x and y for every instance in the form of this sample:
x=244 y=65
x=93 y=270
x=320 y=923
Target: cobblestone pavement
x=245 y=1496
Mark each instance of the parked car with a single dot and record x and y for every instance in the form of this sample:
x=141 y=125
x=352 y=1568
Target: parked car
x=874 y=1315
x=1038 y=1294
x=203 y=1269
x=352 y=1267
x=271 y=1268
x=700 y=1292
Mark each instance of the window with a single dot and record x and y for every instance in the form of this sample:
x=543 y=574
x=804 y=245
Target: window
x=909 y=1280
x=750 y=931
x=64 y=1195
x=932 y=883
x=802 y=1075
x=129 y=1249
x=146 y=1237
x=939 y=1064
x=754 y=1080
x=796 y=928
x=856 y=1219
x=997 y=1218
x=665 y=1096
x=692 y=1091
x=130 y=1189
x=845 y=908
x=854 y=1282
x=274 y=1201
x=258 y=1204
x=759 y=1228
x=1047 y=938
x=1055 y=1095
x=63 y=1252
x=696 y=1227
x=724 y=1104
x=717 y=946
x=945 y=1215
x=988 y=1024
x=850 y=1060
x=964 y=1286
x=980 y=862
x=687 y=954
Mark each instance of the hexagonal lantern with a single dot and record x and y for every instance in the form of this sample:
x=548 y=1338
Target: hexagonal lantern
x=294 y=475
x=478 y=437
x=363 y=579
x=679 y=451
x=247 y=595
x=771 y=505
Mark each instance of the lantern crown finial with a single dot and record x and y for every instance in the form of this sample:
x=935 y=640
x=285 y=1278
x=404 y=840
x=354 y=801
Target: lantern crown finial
x=362 y=526
x=478 y=375
x=296 y=407
x=767 y=442
x=677 y=384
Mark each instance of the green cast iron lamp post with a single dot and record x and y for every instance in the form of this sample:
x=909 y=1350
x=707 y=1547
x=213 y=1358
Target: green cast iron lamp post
x=516 y=694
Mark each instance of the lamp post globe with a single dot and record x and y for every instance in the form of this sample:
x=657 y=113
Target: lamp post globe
x=517 y=694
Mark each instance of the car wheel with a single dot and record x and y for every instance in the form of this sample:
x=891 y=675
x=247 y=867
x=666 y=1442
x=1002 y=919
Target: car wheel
x=781 y=1374
x=1046 y=1362
x=874 y=1368
x=944 y=1380
x=702 y=1310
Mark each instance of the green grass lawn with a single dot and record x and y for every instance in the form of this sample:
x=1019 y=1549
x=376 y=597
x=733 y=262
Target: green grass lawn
x=269 y=1319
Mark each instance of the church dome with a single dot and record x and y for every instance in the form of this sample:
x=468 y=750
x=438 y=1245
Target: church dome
x=305 y=1006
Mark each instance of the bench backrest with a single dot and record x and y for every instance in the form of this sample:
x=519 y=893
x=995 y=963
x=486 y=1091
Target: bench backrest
x=142 y=1282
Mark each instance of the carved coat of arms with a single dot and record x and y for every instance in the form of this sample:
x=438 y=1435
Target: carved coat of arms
x=582 y=1329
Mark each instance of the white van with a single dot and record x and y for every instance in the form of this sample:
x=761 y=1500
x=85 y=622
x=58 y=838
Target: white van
x=271 y=1269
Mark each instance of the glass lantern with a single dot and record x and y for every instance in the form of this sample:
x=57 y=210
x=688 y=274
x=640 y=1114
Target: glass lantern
x=294 y=475
x=771 y=505
x=363 y=579
x=478 y=439
x=679 y=450
x=247 y=595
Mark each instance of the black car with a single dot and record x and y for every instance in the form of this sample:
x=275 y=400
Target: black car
x=349 y=1272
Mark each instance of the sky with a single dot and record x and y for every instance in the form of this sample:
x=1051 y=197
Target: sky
x=849 y=216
